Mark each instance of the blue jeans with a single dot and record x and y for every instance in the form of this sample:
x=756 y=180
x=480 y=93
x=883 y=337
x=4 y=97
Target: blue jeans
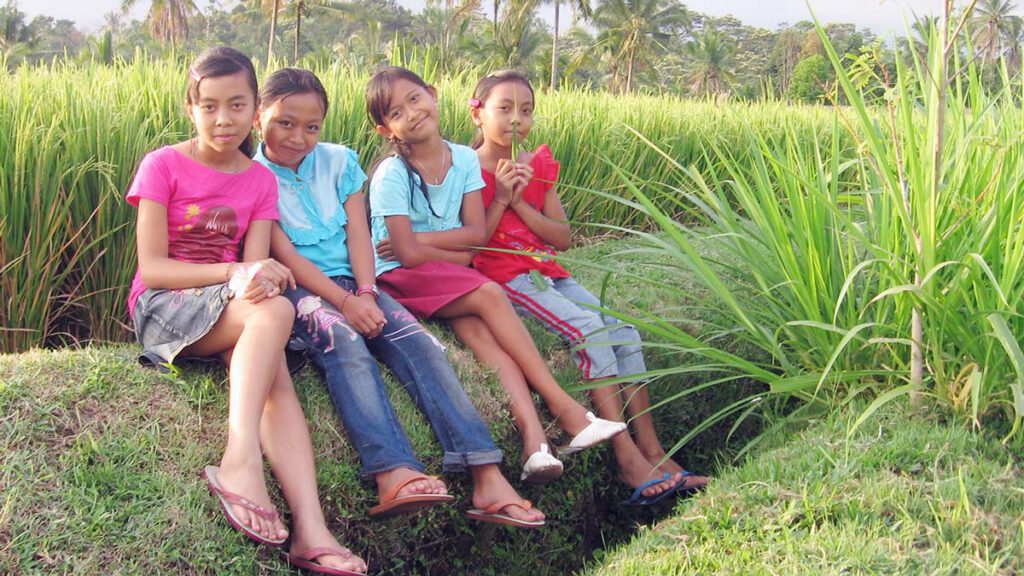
x=603 y=347
x=417 y=360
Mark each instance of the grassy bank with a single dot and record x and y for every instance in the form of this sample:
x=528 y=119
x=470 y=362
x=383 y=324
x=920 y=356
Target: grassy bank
x=904 y=494
x=99 y=464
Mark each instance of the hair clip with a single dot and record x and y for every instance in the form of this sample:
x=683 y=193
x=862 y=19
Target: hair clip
x=195 y=75
x=474 y=102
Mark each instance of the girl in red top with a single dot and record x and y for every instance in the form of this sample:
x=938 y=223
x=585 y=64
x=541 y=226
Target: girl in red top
x=524 y=214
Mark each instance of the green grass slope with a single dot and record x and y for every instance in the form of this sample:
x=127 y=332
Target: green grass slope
x=902 y=495
x=100 y=461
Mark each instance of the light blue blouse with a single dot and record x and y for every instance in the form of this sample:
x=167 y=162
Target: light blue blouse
x=311 y=203
x=390 y=195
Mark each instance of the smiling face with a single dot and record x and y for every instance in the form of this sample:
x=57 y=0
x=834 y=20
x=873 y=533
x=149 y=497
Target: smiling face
x=290 y=128
x=411 y=115
x=508 y=110
x=223 y=112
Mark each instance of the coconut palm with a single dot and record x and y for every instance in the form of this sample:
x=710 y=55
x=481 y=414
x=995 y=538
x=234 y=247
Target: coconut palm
x=580 y=8
x=633 y=31
x=272 y=7
x=168 y=19
x=990 y=21
x=712 y=55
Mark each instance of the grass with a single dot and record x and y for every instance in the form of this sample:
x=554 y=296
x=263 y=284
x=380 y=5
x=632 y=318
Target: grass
x=904 y=495
x=99 y=463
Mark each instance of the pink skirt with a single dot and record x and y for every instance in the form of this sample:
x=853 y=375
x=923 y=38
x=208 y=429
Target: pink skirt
x=427 y=288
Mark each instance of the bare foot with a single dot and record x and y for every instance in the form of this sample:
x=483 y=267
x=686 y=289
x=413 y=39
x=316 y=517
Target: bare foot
x=247 y=481
x=690 y=481
x=387 y=480
x=635 y=473
x=321 y=538
x=490 y=487
x=659 y=459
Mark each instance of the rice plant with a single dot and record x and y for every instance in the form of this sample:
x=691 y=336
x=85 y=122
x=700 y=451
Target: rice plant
x=71 y=136
x=895 y=273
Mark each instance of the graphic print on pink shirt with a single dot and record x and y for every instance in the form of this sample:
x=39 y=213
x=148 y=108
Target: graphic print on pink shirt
x=210 y=238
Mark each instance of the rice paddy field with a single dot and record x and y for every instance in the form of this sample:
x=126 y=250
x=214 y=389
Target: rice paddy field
x=71 y=137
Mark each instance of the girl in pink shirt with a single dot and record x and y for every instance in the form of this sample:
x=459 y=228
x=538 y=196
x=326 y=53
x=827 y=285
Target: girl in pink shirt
x=199 y=202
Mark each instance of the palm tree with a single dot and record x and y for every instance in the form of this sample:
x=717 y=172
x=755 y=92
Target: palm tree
x=991 y=20
x=168 y=19
x=713 y=58
x=273 y=7
x=1014 y=42
x=580 y=8
x=633 y=31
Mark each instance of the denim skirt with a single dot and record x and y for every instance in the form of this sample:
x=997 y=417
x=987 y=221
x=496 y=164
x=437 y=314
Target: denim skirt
x=167 y=321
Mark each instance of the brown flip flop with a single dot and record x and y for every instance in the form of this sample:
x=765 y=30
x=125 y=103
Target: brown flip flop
x=392 y=505
x=492 y=514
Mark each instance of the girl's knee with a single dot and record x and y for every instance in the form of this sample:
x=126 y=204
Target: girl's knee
x=493 y=294
x=277 y=310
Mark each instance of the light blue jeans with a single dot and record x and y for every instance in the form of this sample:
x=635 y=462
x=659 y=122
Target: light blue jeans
x=418 y=361
x=611 y=347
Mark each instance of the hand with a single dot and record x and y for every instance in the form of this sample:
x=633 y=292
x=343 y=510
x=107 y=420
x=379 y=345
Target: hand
x=269 y=278
x=505 y=178
x=364 y=315
x=385 y=251
x=523 y=175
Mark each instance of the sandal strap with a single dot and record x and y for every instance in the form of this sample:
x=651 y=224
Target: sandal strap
x=499 y=506
x=315 y=552
x=393 y=492
x=244 y=502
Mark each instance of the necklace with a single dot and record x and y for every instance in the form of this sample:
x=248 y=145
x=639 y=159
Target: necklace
x=235 y=165
x=433 y=177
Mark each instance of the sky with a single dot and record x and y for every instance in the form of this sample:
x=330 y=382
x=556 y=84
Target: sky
x=881 y=16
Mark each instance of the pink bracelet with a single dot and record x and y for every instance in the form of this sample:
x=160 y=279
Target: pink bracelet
x=369 y=289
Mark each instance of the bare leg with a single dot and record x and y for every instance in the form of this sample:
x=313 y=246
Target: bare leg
x=491 y=305
x=476 y=335
x=286 y=443
x=251 y=339
x=634 y=467
x=491 y=487
x=638 y=403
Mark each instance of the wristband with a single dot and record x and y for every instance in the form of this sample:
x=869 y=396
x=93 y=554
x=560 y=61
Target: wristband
x=369 y=289
x=341 y=308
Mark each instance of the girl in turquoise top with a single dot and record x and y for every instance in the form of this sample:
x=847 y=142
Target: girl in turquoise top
x=426 y=215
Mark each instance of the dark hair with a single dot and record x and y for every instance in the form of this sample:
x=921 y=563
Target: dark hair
x=483 y=91
x=289 y=81
x=217 y=62
x=378 y=101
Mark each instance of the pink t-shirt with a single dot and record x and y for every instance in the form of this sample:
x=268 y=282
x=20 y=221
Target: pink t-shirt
x=208 y=211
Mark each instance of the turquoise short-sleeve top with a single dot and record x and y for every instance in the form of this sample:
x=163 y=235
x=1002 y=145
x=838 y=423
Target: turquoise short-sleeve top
x=311 y=203
x=392 y=195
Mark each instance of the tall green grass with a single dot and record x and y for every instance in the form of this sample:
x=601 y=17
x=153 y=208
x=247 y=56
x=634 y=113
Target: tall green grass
x=72 y=135
x=897 y=272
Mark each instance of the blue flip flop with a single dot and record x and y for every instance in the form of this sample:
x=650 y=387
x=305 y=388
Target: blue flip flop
x=638 y=499
x=683 y=489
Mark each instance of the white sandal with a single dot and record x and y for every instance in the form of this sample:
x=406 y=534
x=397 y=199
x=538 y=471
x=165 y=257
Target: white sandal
x=599 y=430
x=541 y=467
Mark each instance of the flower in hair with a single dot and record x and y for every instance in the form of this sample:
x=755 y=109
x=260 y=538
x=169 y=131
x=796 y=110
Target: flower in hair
x=474 y=102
